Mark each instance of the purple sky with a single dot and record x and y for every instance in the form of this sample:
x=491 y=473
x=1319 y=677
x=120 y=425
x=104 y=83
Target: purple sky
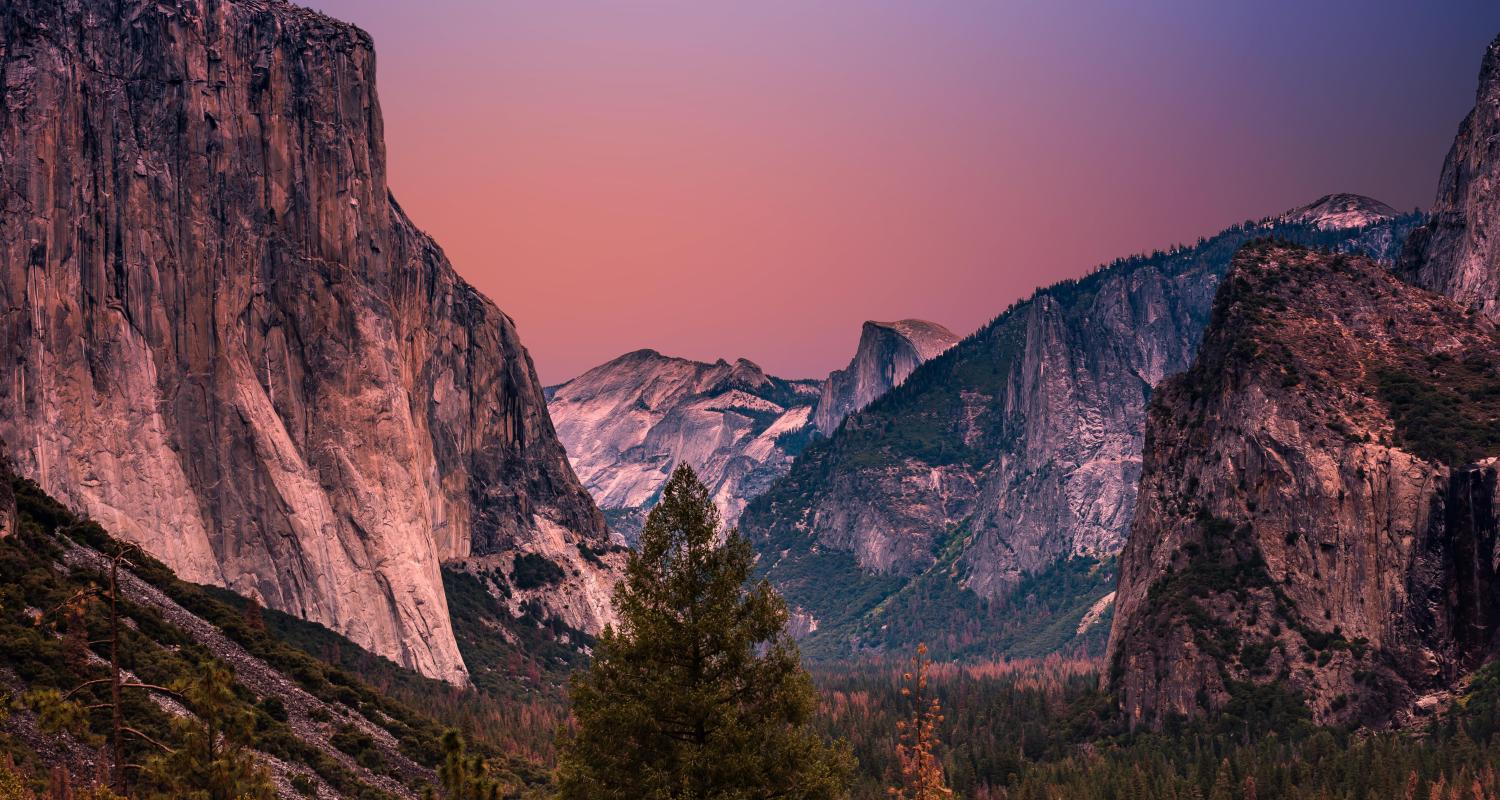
x=756 y=179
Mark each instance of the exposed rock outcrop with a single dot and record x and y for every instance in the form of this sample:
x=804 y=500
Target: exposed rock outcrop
x=887 y=353
x=229 y=342
x=1017 y=447
x=1454 y=253
x=629 y=422
x=1341 y=211
x=1317 y=510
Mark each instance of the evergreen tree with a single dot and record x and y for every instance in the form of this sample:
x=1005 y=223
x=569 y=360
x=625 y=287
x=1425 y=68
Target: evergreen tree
x=214 y=761
x=699 y=694
x=466 y=777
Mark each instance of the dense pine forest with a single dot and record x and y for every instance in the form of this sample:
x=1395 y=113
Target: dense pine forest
x=1044 y=729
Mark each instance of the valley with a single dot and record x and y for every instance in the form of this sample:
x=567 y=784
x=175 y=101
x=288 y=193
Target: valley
x=286 y=511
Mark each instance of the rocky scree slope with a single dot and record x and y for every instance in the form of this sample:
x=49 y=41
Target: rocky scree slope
x=1317 y=509
x=627 y=423
x=978 y=507
x=316 y=727
x=231 y=345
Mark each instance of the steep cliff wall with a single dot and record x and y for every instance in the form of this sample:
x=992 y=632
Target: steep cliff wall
x=233 y=347
x=887 y=353
x=1454 y=253
x=1317 y=510
x=1014 y=451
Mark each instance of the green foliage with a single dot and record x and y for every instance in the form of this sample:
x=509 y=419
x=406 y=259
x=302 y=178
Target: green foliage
x=1451 y=414
x=40 y=652
x=466 y=777
x=58 y=714
x=13 y=784
x=213 y=760
x=1044 y=730
x=699 y=693
x=534 y=570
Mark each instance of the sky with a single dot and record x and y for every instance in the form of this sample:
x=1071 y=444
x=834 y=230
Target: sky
x=755 y=179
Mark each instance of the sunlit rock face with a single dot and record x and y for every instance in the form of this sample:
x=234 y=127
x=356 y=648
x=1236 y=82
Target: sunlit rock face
x=229 y=342
x=1340 y=212
x=1317 y=505
x=888 y=352
x=629 y=422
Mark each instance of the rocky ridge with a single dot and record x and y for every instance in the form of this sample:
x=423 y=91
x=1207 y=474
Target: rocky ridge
x=231 y=344
x=1341 y=211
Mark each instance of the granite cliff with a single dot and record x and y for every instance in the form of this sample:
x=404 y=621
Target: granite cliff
x=1317 y=510
x=1453 y=253
x=1318 y=503
x=887 y=354
x=629 y=422
x=232 y=346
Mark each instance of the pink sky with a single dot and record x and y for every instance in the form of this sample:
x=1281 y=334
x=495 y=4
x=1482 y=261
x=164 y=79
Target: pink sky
x=754 y=180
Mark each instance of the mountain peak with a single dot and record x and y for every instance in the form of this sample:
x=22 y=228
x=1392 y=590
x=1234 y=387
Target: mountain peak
x=929 y=338
x=888 y=352
x=1340 y=211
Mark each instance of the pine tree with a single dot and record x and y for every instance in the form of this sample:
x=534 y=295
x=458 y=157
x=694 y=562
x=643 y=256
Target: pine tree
x=466 y=777
x=699 y=694
x=214 y=761
x=921 y=772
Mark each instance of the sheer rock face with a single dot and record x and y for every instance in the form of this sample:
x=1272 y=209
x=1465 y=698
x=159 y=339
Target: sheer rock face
x=232 y=346
x=888 y=352
x=1454 y=253
x=1317 y=508
x=628 y=423
x=7 y=502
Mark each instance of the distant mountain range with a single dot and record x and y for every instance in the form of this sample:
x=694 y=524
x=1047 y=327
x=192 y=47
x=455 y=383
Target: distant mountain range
x=980 y=505
x=627 y=423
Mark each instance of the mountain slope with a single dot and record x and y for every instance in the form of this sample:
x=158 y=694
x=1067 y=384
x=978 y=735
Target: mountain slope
x=317 y=727
x=629 y=422
x=1317 y=511
x=1007 y=464
x=234 y=348
x=887 y=353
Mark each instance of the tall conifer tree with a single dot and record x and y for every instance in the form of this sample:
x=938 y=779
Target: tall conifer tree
x=699 y=693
